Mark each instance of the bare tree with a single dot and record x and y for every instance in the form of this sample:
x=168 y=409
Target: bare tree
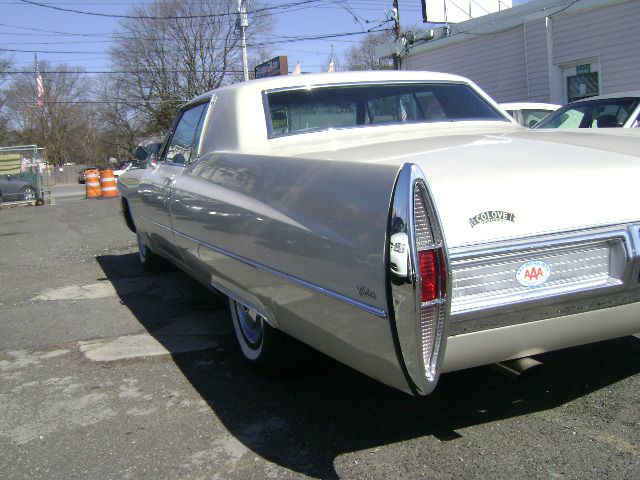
x=190 y=47
x=118 y=125
x=66 y=123
x=5 y=64
x=363 y=55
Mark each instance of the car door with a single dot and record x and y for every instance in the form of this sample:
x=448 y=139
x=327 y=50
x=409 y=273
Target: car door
x=186 y=200
x=11 y=186
x=155 y=188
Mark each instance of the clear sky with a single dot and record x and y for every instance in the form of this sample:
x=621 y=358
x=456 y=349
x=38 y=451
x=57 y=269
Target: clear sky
x=84 y=40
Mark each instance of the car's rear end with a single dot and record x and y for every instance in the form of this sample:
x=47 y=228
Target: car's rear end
x=506 y=261
x=403 y=225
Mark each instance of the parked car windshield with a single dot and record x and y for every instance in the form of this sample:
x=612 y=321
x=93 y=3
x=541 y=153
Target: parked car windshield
x=603 y=113
x=303 y=110
x=531 y=116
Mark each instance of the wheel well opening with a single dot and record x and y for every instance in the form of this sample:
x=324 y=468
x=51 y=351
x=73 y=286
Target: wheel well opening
x=126 y=211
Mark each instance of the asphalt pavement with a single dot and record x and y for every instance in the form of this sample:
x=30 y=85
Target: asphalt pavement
x=108 y=371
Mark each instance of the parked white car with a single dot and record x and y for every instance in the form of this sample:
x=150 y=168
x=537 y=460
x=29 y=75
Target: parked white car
x=615 y=110
x=528 y=114
x=399 y=222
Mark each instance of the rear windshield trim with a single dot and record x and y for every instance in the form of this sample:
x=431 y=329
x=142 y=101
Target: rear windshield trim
x=272 y=135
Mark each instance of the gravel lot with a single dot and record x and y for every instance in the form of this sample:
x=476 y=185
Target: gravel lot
x=107 y=371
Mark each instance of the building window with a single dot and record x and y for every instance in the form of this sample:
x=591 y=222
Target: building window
x=581 y=81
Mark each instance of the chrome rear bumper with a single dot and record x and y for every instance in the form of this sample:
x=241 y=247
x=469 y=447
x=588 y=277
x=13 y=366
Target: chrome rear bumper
x=517 y=341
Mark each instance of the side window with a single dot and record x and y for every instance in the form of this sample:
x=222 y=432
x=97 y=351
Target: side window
x=196 y=138
x=183 y=146
x=382 y=110
x=430 y=106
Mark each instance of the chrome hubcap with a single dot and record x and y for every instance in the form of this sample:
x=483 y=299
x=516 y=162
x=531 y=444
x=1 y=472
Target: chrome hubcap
x=29 y=194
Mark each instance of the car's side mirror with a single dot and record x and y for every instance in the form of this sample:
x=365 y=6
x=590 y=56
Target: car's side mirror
x=141 y=153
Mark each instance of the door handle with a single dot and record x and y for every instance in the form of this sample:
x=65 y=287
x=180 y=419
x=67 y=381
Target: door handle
x=166 y=185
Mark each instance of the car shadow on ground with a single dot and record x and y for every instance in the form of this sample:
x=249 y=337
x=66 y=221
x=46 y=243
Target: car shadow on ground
x=307 y=418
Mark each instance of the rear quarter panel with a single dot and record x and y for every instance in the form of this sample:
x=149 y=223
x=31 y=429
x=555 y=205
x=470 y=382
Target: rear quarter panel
x=305 y=238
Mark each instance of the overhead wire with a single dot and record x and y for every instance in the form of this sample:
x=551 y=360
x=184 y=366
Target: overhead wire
x=281 y=39
x=470 y=31
x=259 y=40
x=168 y=17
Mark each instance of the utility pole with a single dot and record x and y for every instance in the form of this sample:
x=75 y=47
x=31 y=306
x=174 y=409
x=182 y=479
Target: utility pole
x=397 y=61
x=242 y=24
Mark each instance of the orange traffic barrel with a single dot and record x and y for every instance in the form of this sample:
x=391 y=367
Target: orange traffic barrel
x=108 y=183
x=92 y=182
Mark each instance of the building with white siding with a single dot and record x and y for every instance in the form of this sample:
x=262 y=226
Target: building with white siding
x=543 y=51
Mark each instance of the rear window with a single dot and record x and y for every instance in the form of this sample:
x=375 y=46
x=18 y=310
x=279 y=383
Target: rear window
x=345 y=106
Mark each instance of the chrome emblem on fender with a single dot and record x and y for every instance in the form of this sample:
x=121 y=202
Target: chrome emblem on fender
x=533 y=273
x=491 y=216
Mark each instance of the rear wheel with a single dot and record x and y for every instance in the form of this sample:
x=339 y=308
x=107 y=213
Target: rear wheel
x=149 y=260
x=261 y=345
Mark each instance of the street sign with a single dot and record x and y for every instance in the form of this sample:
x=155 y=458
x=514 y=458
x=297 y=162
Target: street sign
x=272 y=68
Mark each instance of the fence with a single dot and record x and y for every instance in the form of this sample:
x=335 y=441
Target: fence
x=24 y=176
x=66 y=174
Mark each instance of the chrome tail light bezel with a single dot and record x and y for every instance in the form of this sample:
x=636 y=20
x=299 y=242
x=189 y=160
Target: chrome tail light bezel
x=421 y=326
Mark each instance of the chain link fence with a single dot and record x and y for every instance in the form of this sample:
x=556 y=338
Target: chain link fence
x=24 y=176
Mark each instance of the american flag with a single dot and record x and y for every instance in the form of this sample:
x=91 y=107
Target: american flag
x=403 y=112
x=39 y=86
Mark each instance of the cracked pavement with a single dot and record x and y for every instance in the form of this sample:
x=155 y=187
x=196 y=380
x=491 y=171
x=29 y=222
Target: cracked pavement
x=107 y=371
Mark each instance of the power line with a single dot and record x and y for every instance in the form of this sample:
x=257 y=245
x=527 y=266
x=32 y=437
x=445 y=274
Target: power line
x=18 y=50
x=252 y=44
x=567 y=4
x=58 y=47
x=53 y=31
x=105 y=102
x=73 y=42
x=266 y=37
x=47 y=72
x=172 y=17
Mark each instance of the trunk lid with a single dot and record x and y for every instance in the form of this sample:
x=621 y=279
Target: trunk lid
x=496 y=184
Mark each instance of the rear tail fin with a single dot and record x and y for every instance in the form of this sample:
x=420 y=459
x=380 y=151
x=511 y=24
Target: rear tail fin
x=419 y=266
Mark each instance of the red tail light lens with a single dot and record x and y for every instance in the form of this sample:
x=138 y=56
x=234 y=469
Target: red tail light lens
x=429 y=274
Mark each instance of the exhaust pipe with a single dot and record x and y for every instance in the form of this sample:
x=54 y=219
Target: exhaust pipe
x=517 y=367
